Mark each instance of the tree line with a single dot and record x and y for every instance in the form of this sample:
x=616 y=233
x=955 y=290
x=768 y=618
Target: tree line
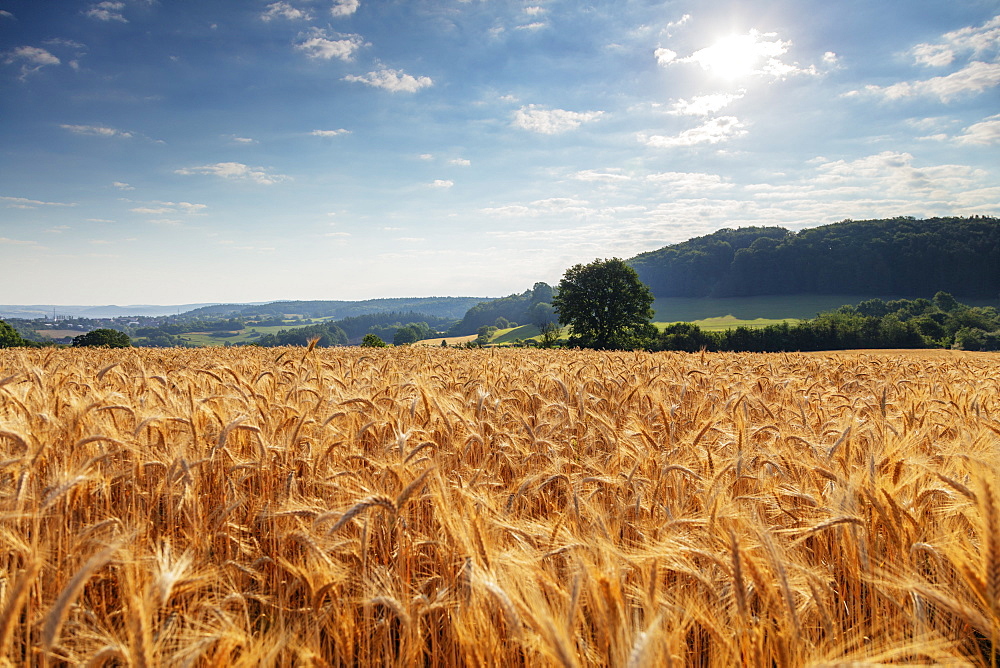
x=898 y=256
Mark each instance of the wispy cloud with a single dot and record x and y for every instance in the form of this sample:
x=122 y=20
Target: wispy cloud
x=703 y=105
x=236 y=171
x=975 y=77
x=442 y=183
x=330 y=133
x=976 y=40
x=97 y=131
x=283 y=10
x=121 y=185
x=318 y=44
x=394 y=81
x=460 y=162
x=170 y=208
x=25 y=203
x=551 y=121
x=606 y=176
x=712 y=131
x=689 y=182
x=32 y=58
x=107 y=11
x=979 y=44
x=984 y=133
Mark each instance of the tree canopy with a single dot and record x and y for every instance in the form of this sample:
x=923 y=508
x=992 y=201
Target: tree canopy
x=606 y=305
x=9 y=338
x=898 y=256
x=103 y=338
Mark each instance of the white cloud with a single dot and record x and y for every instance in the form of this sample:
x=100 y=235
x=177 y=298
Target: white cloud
x=317 y=43
x=17 y=242
x=893 y=174
x=344 y=7
x=984 y=133
x=107 y=11
x=122 y=186
x=394 y=81
x=831 y=58
x=975 y=77
x=689 y=182
x=170 y=208
x=679 y=22
x=537 y=25
x=25 y=203
x=712 y=131
x=460 y=162
x=933 y=55
x=972 y=39
x=442 y=183
x=664 y=56
x=543 y=207
x=96 y=131
x=551 y=121
x=7 y=15
x=605 y=176
x=236 y=171
x=330 y=133
x=285 y=11
x=534 y=10
x=703 y=105
x=243 y=140
x=32 y=58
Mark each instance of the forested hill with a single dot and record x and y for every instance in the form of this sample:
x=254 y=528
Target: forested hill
x=444 y=307
x=899 y=256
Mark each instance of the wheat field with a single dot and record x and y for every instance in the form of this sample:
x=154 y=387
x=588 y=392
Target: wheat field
x=417 y=506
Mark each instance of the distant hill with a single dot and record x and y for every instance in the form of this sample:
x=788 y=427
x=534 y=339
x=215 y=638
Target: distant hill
x=898 y=256
x=32 y=311
x=443 y=307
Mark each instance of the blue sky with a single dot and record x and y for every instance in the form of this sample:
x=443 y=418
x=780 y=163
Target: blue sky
x=159 y=151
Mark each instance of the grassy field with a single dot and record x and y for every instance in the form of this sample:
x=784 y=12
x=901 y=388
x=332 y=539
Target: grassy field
x=771 y=307
x=729 y=322
x=408 y=506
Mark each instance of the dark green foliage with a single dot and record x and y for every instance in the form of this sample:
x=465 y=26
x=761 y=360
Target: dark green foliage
x=607 y=306
x=512 y=308
x=902 y=323
x=372 y=341
x=549 y=335
x=484 y=334
x=158 y=338
x=385 y=325
x=411 y=333
x=103 y=338
x=899 y=256
x=327 y=333
x=9 y=338
x=450 y=308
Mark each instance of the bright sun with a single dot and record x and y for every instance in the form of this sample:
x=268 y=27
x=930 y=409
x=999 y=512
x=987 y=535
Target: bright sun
x=731 y=57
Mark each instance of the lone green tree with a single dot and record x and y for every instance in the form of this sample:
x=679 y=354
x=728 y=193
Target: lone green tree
x=372 y=341
x=607 y=306
x=103 y=338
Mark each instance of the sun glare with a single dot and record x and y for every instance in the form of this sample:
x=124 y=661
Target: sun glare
x=731 y=57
